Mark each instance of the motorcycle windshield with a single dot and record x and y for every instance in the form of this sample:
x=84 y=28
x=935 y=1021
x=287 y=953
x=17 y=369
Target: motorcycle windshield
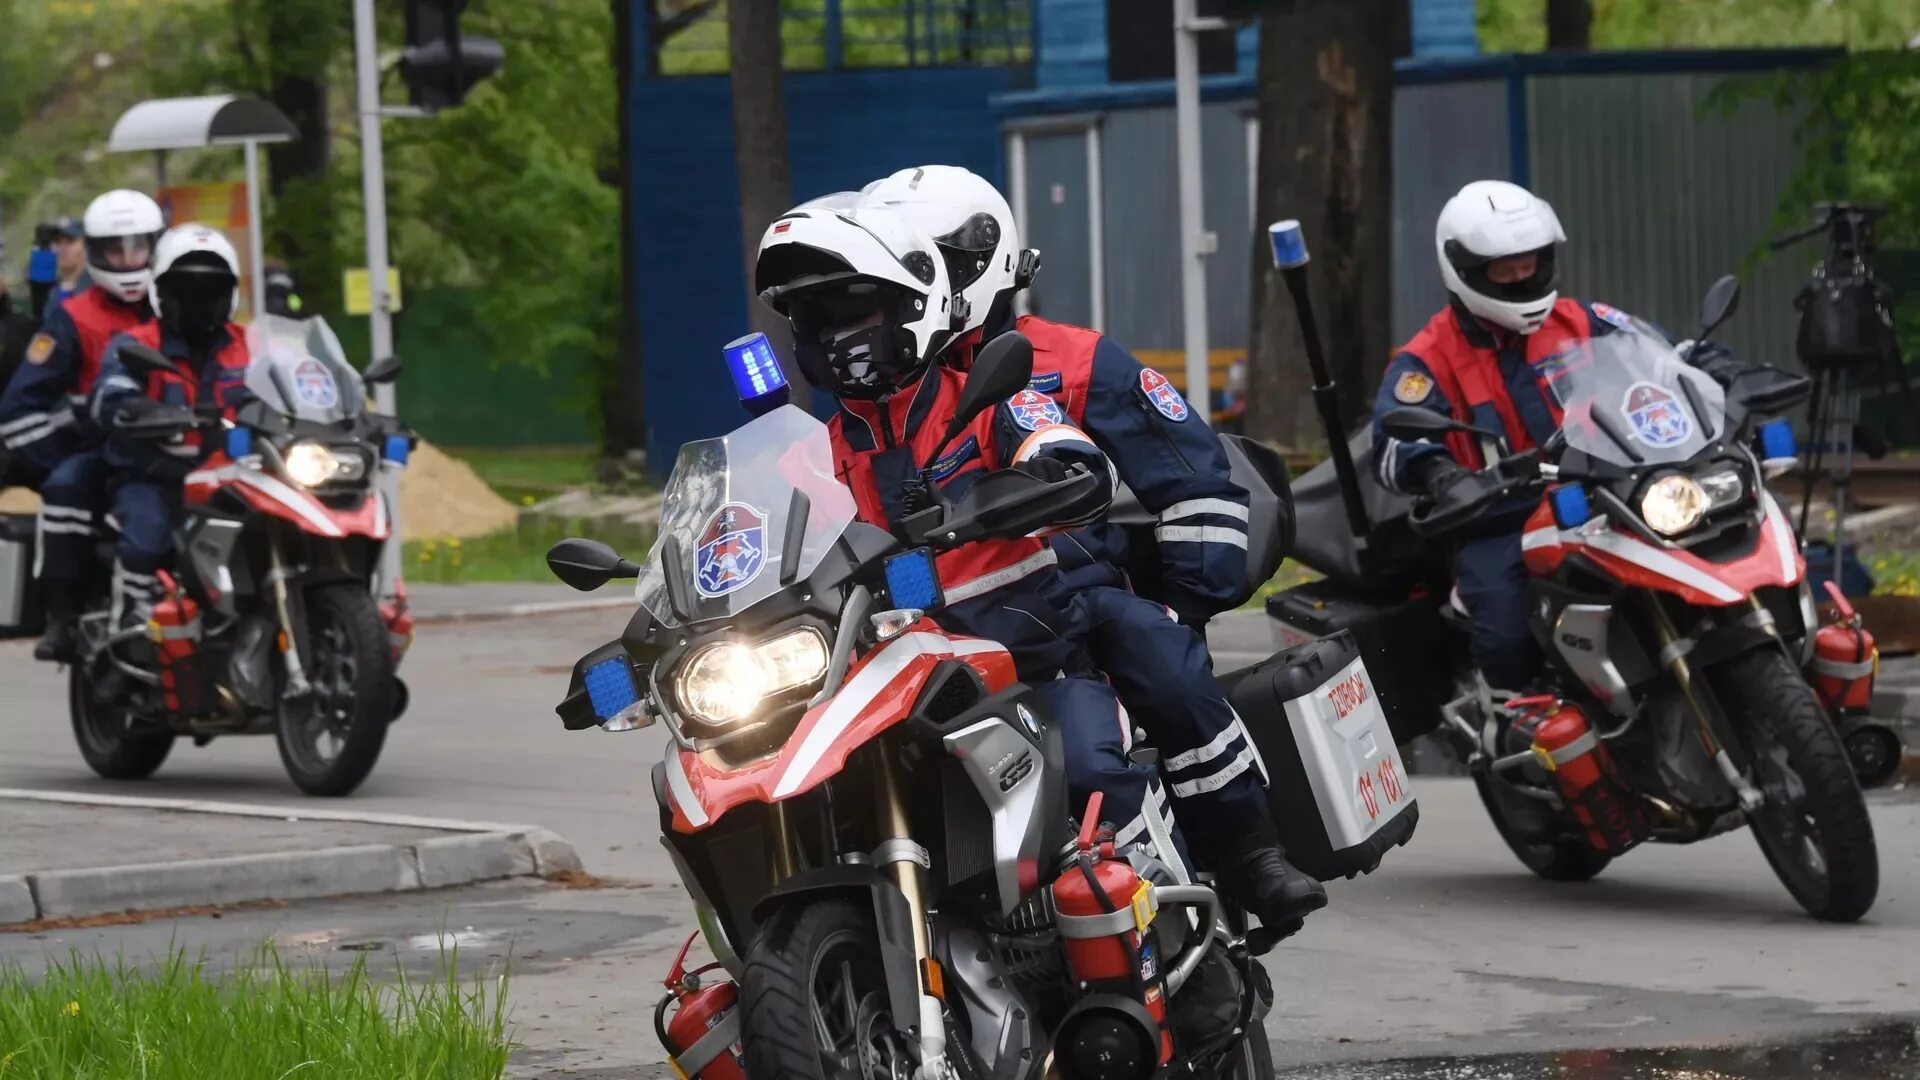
x=726 y=520
x=1632 y=401
x=297 y=367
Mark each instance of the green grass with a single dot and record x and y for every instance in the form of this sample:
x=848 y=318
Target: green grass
x=517 y=472
x=89 y=1019
x=1895 y=573
x=516 y=554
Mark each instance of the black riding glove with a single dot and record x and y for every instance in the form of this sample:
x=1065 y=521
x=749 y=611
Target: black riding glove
x=1434 y=474
x=1051 y=470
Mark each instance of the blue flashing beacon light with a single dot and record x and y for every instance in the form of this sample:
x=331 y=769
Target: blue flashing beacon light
x=239 y=442
x=913 y=580
x=1570 y=506
x=1776 y=442
x=756 y=373
x=1289 y=244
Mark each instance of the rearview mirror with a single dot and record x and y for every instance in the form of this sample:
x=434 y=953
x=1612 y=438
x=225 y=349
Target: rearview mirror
x=587 y=564
x=1722 y=300
x=1003 y=368
x=143 y=359
x=1415 y=425
x=384 y=370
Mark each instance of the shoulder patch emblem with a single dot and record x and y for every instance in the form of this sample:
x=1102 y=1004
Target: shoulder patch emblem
x=1412 y=388
x=40 y=348
x=1162 y=396
x=1034 y=410
x=1611 y=314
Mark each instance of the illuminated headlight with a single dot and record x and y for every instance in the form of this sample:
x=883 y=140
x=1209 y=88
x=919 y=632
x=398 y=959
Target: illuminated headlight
x=1723 y=488
x=1674 y=504
x=310 y=464
x=724 y=683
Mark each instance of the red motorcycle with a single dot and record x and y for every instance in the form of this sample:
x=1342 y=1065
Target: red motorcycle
x=269 y=622
x=1667 y=592
x=870 y=812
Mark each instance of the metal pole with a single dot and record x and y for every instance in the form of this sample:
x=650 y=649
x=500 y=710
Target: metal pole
x=1096 y=231
x=1195 y=242
x=373 y=182
x=256 y=239
x=1017 y=187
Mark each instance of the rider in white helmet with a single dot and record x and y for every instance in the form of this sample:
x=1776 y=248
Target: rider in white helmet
x=1488 y=359
x=43 y=432
x=195 y=289
x=1154 y=656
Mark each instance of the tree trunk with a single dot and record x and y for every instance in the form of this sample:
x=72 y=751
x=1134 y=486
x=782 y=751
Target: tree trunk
x=1325 y=157
x=623 y=423
x=759 y=146
x=1570 y=24
x=301 y=41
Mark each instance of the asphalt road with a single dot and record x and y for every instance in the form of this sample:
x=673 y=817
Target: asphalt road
x=1450 y=949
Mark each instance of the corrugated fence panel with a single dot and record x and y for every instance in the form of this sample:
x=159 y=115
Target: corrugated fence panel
x=1660 y=197
x=1435 y=154
x=1059 y=226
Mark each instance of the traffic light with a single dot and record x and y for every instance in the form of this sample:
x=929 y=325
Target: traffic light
x=439 y=63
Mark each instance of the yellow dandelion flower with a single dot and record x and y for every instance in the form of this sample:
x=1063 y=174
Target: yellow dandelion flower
x=73 y=1008
x=453 y=542
x=526 y=500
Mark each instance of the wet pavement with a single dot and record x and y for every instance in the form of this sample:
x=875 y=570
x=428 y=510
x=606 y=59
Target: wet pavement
x=1884 y=1052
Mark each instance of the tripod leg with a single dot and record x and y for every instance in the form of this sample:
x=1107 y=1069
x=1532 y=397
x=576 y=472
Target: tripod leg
x=1817 y=428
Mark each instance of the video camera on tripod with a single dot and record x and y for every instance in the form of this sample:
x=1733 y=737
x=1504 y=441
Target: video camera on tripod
x=1846 y=313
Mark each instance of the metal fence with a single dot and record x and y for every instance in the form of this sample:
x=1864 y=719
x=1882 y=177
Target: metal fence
x=689 y=37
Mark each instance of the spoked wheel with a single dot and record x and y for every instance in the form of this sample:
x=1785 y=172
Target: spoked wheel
x=113 y=739
x=330 y=738
x=1813 y=827
x=815 y=999
x=1529 y=833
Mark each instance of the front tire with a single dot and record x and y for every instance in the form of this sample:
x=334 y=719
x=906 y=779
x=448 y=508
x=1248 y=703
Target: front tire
x=1555 y=860
x=815 y=998
x=107 y=734
x=1814 y=828
x=329 y=739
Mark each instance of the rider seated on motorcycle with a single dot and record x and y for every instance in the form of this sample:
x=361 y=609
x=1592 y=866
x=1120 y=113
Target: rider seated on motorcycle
x=866 y=294
x=1489 y=359
x=196 y=276
x=1155 y=657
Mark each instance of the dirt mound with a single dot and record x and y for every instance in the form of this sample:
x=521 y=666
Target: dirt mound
x=441 y=496
x=18 y=501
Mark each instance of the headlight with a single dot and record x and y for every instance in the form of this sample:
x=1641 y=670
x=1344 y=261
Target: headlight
x=310 y=464
x=1674 y=504
x=724 y=683
x=1723 y=488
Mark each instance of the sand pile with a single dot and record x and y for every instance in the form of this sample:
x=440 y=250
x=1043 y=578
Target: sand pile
x=441 y=496
x=19 y=501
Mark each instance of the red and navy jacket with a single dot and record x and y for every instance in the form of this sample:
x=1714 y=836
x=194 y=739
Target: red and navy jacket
x=41 y=417
x=218 y=375
x=1494 y=381
x=1169 y=458
x=1007 y=590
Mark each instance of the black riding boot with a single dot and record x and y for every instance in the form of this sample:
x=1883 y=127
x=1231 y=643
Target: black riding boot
x=60 y=643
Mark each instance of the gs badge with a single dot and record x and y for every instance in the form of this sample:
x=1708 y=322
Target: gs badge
x=1034 y=410
x=1162 y=396
x=1412 y=388
x=40 y=348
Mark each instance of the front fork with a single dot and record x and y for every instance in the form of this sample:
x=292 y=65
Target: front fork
x=277 y=574
x=1673 y=653
x=907 y=860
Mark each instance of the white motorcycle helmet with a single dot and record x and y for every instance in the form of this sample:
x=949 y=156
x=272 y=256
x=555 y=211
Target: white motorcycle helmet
x=865 y=292
x=1491 y=220
x=121 y=228
x=973 y=226
x=196 y=277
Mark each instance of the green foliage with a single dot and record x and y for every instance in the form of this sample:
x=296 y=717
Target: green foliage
x=516 y=554
x=87 y=1019
x=1520 y=25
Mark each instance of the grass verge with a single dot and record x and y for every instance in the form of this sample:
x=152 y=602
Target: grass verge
x=90 y=1019
x=526 y=474
x=516 y=554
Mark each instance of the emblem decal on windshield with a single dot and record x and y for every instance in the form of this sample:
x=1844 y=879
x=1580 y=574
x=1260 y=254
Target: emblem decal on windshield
x=1614 y=315
x=732 y=550
x=1034 y=410
x=314 y=383
x=1658 y=419
x=1162 y=396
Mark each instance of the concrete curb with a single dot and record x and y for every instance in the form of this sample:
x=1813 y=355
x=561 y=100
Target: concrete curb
x=519 y=611
x=478 y=851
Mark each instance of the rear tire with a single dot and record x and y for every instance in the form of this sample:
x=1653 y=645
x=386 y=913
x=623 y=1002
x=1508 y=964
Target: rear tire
x=330 y=739
x=800 y=948
x=1818 y=839
x=102 y=732
x=1554 y=860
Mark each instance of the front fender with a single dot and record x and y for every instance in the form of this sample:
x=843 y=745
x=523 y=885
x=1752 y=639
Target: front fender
x=891 y=918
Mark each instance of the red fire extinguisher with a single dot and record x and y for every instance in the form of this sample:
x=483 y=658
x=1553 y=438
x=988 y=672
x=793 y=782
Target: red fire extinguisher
x=1844 y=659
x=1589 y=782
x=703 y=1037
x=174 y=629
x=1117 y=1030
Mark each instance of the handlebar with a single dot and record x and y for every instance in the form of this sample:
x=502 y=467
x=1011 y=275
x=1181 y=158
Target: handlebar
x=1001 y=504
x=1473 y=496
